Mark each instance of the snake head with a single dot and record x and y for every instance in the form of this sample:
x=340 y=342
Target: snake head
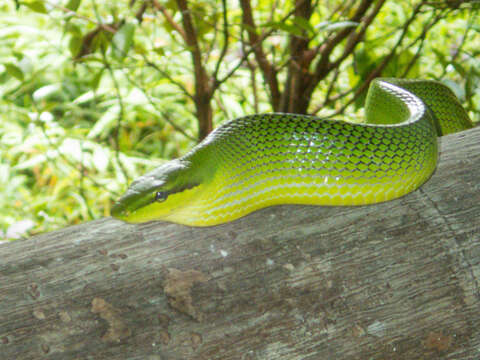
x=155 y=195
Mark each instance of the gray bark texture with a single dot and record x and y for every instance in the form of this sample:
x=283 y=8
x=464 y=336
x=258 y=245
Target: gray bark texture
x=398 y=280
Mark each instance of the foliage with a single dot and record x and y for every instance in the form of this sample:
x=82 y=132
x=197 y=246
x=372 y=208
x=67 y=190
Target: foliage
x=94 y=93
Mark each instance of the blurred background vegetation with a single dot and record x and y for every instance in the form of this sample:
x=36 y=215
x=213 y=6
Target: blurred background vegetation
x=93 y=93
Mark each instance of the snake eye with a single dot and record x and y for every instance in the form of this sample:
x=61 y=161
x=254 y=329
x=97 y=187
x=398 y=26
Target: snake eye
x=161 y=196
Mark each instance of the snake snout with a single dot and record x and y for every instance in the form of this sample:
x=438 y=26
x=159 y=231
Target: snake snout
x=119 y=210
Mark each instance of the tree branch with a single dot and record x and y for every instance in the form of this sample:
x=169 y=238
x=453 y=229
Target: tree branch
x=170 y=19
x=224 y=47
x=164 y=115
x=203 y=84
x=324 y=66
x=268 y=70
x=378 y=70
x=396 y=280
x=299 y=62
x=356 y=37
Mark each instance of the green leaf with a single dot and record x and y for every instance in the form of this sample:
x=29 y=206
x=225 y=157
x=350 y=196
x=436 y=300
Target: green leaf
x=14 y=71
x=73 y=29
x=289 y=28
x=74 y=45
x=105 y=123
x=101 y=41
x=33 y=161
x=96 y=79
x=440 y=57
x=47 y=92
x=37 y=6
x=334 y=26
x=73 y=4
x=460 y=68
x=123 y=40
x=305 y=25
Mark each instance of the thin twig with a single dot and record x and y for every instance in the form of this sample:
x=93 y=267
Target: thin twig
x=251 y=68
x=55 y=147
x=459 y=48
x=170 y=19
x=79 y=16
x=119 y=117
x=167 y=76
x=421 y=38
x=246 y=54
x=378 y=70
x=225 y=41
x=329 y=92
x=81 y=187
x=165 y=116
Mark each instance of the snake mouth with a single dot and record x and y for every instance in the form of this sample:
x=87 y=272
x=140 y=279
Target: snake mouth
x=118 y=210
x=121 y=210
x=128 y=204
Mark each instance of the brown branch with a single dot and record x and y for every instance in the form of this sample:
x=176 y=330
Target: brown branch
x=170 y=19
x=356 y=37
x=192 y=42
x=323 y=66
x=203 y=87
x=141 y=12
x=167 y=76
x=298 y=64
x=421 y=38
x=268 y=70
x=225 y=44
x=378 y=70
x=246 y=53
x=328 y=94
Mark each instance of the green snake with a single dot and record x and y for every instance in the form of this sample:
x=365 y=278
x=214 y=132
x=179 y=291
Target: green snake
x=262 y=160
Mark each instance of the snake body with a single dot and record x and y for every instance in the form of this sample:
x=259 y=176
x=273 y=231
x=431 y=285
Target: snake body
x=262 y=160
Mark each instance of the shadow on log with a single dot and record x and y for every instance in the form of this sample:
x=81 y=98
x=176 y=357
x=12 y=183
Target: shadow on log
x=398 y=280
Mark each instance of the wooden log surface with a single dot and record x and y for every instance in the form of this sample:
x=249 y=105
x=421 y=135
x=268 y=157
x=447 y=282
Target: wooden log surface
x=398 y=280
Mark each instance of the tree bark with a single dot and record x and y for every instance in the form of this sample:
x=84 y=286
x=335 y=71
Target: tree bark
x=398 y=280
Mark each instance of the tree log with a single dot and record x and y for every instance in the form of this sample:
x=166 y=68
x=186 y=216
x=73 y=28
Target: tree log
x=398 y=280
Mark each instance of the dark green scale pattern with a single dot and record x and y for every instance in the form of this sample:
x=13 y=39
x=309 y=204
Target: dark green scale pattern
x=450 y=117
x=268 y=159
x=294 y=142
x=338 y=160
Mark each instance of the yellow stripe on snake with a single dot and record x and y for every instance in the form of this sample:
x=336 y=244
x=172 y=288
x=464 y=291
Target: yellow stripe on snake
x=262 y=160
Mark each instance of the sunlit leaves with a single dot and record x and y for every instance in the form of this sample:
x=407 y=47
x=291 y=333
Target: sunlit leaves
x=14 y=71
x=36 y=5
x=75 y=80
x=335 y=26
x=73 y=4
x=106 y=122
x=75 y=44
x=122 y=40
